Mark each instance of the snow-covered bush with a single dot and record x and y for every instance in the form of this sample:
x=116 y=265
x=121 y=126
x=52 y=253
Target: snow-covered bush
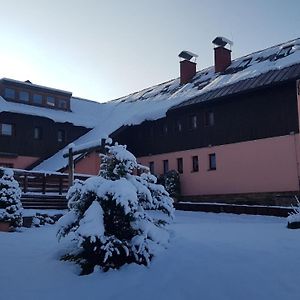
x=116 y=217
x=294 y=217
x=42 y=219
x=10 y=203
x=171 y=182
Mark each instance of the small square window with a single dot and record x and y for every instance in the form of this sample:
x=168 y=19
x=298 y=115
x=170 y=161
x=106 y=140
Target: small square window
x=6 y=129
x=9 y=93
x=151 y=167
x=180 y=165
x=37 y=133
x=24 y=96
x=166 y=166
x=61 y=136
x=195 y=162
x=50 y=101
x=37 y=99
x=212 y=161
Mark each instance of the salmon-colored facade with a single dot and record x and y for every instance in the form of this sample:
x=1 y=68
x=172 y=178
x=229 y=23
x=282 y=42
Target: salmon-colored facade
x=266 y=165
x=19 y=162
x=89 y=165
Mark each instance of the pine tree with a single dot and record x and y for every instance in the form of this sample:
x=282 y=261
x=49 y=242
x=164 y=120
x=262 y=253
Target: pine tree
x=10 y=203
x=117 y=217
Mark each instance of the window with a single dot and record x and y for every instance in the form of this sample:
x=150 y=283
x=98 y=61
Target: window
x=50 y=101
x=165 y=129
x=180 y=165
x=151 y=167
x=61 y=136
x=37 y=99
x=62 y=103
x=178 y=126
x=166 y=166
x=24 y=96
x=284 y=52
x=209 y=118
x=6 y=129
x=195 y=163
x=245 y=63
x=212 y=161
x=193 y=122
x=9 y=93
x=37 y=133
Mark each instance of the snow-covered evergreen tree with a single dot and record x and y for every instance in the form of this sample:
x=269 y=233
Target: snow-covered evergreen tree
x=10 y=203
x=117 y=217
x=172 y=183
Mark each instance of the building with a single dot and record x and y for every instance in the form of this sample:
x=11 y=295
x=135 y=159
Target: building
x=231 y=129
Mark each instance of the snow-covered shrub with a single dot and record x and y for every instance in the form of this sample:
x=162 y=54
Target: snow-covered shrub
x=42 y=219
x=171 y=182
x=116 y=217
x=10 y=203
x=294 y=217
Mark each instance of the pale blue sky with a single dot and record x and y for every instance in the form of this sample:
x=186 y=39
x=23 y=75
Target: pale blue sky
x=102 y=50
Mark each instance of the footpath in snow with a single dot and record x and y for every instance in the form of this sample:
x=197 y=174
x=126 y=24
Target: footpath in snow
x=211 y=256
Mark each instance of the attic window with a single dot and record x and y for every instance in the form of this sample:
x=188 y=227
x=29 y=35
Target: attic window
x=245 y=63
x=284 y=52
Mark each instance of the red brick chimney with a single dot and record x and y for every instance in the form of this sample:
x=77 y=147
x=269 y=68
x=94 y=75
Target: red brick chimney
x=187 y=71
x=187 y=67
x=222 y=59
x=222 y=54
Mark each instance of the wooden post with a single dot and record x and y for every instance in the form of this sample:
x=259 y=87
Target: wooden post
x=71 y=167
x=44 y=183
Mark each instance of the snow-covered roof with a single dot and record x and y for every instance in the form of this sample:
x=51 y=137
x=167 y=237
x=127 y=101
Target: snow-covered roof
x=153 y=103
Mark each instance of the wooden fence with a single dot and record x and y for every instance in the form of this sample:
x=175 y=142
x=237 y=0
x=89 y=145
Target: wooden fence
x=43 y=183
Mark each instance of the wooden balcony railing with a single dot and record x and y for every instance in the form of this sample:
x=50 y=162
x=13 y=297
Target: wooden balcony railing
x=32 y=182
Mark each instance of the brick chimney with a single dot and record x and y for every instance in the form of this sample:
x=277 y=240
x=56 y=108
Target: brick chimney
x=187 y=71
x=187 y=67
x=222 y=54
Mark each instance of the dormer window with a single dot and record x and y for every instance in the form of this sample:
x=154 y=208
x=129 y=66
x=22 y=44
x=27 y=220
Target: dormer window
x=24 y=96
x=284 y=52
x=37 y=99
x=32 y=94
x=50 y=101
x=9 y=93
x=245 y=63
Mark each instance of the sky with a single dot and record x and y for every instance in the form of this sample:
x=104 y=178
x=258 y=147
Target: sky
x=102 y=50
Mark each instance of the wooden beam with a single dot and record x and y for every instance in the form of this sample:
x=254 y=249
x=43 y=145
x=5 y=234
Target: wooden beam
x=71 y=167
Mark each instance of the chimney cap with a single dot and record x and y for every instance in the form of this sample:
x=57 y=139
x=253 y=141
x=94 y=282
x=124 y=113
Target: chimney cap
x=221 y=41
x=187 y=55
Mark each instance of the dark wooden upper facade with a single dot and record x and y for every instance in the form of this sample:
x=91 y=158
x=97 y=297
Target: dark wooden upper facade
x=262 y=113
x=36 y=136
x=36 y=95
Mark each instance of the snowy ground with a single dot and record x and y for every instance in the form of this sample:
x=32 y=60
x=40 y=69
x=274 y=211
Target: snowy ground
x=211 y=256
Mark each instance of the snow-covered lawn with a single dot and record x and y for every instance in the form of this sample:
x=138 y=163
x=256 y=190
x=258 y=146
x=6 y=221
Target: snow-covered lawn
x=211 y=256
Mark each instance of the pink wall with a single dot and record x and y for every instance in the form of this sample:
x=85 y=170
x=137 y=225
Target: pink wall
x=19 y=162
x=89 y=165
x=266 y=165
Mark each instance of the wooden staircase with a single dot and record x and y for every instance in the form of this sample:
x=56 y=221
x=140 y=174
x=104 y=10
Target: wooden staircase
x=44 y=201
